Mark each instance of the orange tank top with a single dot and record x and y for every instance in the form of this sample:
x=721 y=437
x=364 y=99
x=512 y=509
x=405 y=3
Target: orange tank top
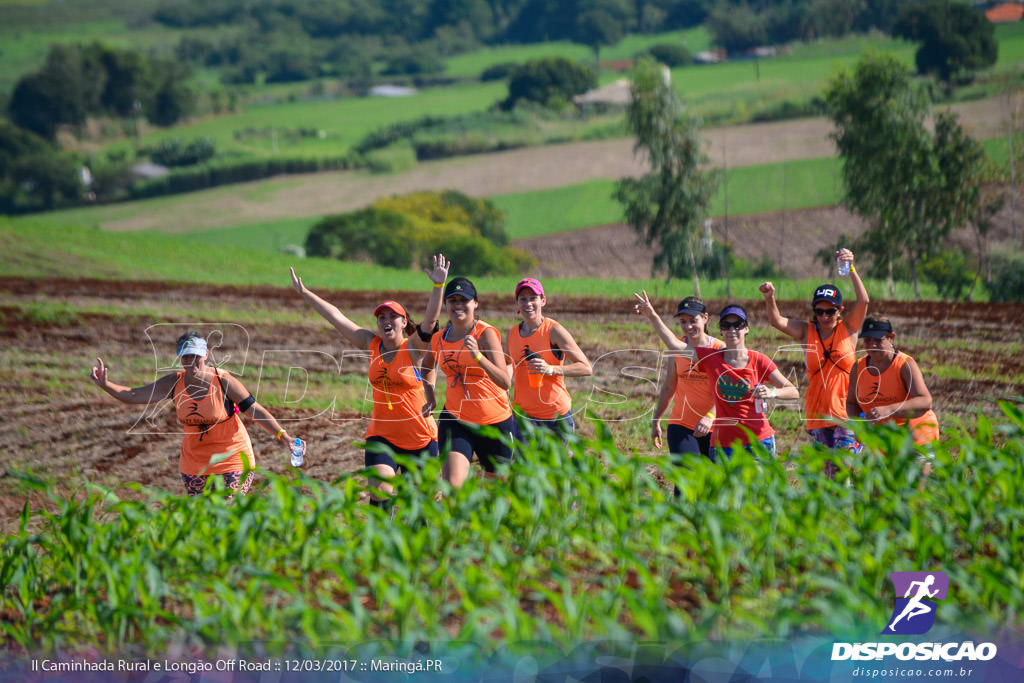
x=471 y=395
x=210 y=431
x=694 y=396
x=398 y=400
x=828 y=374
x=539 y=396
x=888 y=389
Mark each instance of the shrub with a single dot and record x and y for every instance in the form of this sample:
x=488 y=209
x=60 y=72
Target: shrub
x=670 y=55
x=548 y=82
x=498 y=72
x=1007 y=284
x=413 y=63
x=174 y=152
x=950 y=272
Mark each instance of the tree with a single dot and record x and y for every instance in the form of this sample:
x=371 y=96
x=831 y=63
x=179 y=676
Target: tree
x=954 y=37
x=667 y=206
x=912 y=186
x=600 y=23
x=548 y=81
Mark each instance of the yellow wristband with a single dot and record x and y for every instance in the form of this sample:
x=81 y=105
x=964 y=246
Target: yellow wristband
x=710 y=414
x=478 y=357
x=438 y=286
x=853 y=269
x=279 y=433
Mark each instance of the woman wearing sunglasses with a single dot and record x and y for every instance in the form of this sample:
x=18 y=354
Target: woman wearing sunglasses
x=742 y=380
x=887 y=386
x=830 y=343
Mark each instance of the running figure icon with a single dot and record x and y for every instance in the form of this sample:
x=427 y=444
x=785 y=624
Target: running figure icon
x=915 y=606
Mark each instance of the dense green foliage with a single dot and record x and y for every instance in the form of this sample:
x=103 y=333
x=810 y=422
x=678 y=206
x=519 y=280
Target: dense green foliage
x=955 y=39
x=93 y=80
x=912 y=185
x=556 y=552
x=549 y=81
x=401 y=232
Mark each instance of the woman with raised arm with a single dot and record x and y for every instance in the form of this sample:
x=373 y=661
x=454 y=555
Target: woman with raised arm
x=686 y=385
x=401 y=422
x=543 y=353
x=741 y=379
x=478 y=373
x=830 y=339
x=886 y=385
x=209 y=403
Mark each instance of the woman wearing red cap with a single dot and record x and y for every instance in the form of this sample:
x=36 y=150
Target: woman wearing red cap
x=740 y=377
x=469 y=353
x=830 y=339
x=209 y=403
x=403 y=397
x=886 y=385
x=543 y=354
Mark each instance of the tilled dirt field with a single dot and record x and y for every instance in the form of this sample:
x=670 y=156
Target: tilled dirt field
x=57 y=422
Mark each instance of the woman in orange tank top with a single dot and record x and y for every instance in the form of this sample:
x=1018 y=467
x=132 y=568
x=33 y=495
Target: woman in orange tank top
x=830 y=343
x=478 y=375
x=543 y=353
x=402 y=422
x=209 y=403
x=887 y=386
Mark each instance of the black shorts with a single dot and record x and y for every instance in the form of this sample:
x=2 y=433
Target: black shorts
x=681 y=440
x=384 y=451
x=466 y=439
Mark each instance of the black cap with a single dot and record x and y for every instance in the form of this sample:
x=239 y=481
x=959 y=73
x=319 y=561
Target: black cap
x=828 y=292
x=690 y=308
x=461 y=286
x=876 y=329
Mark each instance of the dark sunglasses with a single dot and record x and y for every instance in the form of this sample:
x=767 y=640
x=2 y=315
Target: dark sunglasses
x=738 y=325
x=825 y=312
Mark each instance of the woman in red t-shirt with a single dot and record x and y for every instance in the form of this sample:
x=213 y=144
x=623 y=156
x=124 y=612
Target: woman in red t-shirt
x=740 y=378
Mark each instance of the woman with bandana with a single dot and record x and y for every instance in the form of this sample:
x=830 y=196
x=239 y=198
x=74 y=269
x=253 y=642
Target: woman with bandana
x=209 y=403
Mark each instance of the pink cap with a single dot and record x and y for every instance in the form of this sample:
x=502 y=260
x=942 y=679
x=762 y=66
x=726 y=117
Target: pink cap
x=532 y=284
x=393 y=306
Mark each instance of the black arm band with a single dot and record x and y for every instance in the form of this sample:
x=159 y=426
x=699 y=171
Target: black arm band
x=246 y=403
x=425 y=336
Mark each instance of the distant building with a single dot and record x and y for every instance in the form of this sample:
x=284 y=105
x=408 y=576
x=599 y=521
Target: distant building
x=388 y=90
x=1005 y=13
x=616 y=93
x=147 y=170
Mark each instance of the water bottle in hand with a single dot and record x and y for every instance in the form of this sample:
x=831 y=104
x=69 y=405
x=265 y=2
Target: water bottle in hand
x=298 y=451
x=842 y=267
x=760 y=404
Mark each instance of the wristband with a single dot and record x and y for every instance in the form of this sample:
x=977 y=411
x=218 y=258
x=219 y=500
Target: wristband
x=478 y=356
x=853 y=269
x=279 y=433
x=772 y=392
x=438 y=286
x=710 y=414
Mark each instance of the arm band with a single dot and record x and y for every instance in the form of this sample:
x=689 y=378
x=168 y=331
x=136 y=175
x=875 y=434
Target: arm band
x=425 y=336
x=246 y=403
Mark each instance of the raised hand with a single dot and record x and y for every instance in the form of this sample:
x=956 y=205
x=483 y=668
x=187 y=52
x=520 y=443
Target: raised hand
x=440 y=272
x=297 y=282
x=845 y=255
x=99 y=374
x=642 y=305
x=767 y=289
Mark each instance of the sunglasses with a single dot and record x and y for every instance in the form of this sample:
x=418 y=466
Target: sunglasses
x=825 y=312
x=738 y=325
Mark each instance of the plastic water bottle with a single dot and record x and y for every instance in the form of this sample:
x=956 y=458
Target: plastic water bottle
x=842 y=267
x=760 y=404
x=298 y=451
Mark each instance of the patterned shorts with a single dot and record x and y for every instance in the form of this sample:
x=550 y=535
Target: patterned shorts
x=196 y=483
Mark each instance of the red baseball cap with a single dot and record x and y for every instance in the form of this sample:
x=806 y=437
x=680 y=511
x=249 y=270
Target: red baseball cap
x=532 y=284
x=393 y=306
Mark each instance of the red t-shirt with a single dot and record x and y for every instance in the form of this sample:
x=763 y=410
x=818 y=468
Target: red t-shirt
x=734 y=403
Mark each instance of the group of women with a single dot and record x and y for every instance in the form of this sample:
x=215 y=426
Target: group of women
x=720 y=389
x=477 y=418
